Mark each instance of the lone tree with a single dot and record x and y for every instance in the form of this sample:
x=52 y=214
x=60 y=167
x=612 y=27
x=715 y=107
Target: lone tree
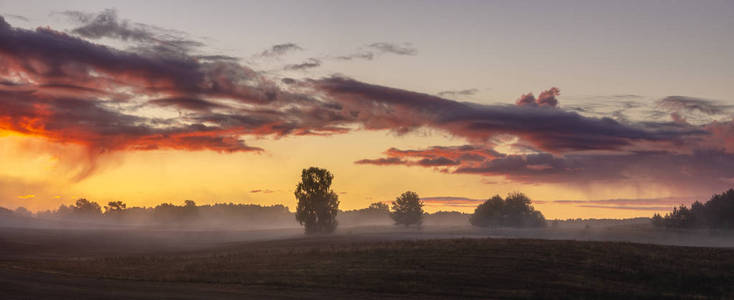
x=514 y=211
x=407 y=209
x=317 y=202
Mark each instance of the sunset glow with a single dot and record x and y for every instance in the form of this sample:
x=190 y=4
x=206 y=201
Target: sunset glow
x=125 y=102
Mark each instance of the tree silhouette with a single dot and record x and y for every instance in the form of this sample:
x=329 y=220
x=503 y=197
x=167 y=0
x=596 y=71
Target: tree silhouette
x=115 y=207
x=715 y=213
x=86 y=208
x=379 y=206
x=489 y=213
x=317 y=203
x=514 y=211
x=407 y=209
x=24 y=212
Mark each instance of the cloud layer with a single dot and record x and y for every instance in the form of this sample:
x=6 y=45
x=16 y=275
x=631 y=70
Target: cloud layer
x=160 y=94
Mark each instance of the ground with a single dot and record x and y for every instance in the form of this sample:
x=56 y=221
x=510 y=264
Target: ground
x=359 y=263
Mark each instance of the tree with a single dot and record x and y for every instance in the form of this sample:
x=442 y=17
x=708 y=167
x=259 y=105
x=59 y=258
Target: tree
x=718 y=212
x=24 y=212
x=317 y=203
x=514 y=211
x=407 y=209
x=379 y=206
x=489 y=213
x=115 y=207
x=86 y=208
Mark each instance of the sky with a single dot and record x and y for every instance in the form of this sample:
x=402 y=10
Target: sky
x=594 y=109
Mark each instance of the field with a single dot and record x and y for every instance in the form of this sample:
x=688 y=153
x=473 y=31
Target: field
x=359 y=263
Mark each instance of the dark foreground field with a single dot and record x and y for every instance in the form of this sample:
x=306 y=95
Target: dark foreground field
x=45 y=264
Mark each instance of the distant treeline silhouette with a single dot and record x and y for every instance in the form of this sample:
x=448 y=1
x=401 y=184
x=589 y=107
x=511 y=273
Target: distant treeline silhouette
x=718 y=212
x=224 y=214
x=318 y=211
x=219 y=215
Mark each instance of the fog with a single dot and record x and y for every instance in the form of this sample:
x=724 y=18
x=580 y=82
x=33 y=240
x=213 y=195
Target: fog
x=142 y=230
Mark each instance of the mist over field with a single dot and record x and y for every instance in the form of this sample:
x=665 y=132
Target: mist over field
x=313 y=149
x=221 y=223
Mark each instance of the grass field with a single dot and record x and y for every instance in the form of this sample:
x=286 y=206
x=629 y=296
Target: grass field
x=362 y=266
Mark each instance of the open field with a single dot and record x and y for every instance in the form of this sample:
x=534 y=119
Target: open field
x=357 y=263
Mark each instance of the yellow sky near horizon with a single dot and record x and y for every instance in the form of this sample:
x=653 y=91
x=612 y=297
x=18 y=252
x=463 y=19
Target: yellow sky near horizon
x=39 y=175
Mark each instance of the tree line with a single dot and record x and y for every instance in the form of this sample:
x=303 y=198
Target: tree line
x=188 y=214
x=317 y=211
x=717 y=212
x=318 y=206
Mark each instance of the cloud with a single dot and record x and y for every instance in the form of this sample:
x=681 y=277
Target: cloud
x=638 y=202
x=654 y=208
x=70 y=90
x=553 y=130
x=280 y=50
x=106 y=24
x=699 y=172
x=67 y=89
x=367 y=55
x=381 y=161
x=194 y=104
x=264 y=191
x=452 y=201
x=308 y=64
x=656 y=204
x=691 y=104
x=370 y=51
x=437 y=156
x=405 y=49
x=545 y=99
x=16 y=17
x=458 y=93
